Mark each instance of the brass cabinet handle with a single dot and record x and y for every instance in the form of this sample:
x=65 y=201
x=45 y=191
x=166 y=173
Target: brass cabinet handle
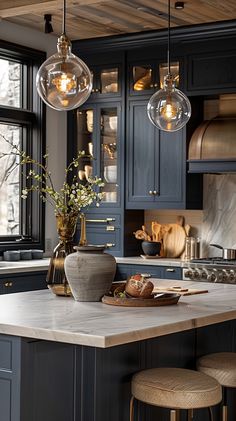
x=170 y=270
x=97 y=221
x=150 y=192
x=155 y=85
x=110 y=244
x=155 y=192
x=8 y=284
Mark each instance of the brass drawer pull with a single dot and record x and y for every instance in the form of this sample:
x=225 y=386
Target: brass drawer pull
x=170 y=270
x=110 y=244
x=8 y=284
x=110 y=228
x=97 y=221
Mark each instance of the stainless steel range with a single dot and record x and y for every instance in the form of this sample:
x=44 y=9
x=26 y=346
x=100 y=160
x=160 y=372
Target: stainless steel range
x=211 y=270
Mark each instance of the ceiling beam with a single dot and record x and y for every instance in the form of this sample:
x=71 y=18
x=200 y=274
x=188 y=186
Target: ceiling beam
x=34 y=6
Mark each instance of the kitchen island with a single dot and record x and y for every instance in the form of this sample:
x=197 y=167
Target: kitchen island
x=69 y=361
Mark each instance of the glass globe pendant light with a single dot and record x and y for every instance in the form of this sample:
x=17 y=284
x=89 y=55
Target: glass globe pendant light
x=64 y=81
x=169 y=109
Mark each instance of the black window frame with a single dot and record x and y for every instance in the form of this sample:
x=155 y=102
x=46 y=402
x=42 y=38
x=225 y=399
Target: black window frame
x=32 y=117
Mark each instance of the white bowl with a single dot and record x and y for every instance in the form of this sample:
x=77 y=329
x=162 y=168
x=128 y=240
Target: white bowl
x=110 y=173
x=113 y=123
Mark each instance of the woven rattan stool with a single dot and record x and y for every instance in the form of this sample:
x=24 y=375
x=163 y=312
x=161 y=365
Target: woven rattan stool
x=175 y=388
x=222 y=367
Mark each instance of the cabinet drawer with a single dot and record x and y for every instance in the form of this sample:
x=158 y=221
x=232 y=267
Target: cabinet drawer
x=28 y=282
x=98 y=235
x=102 y=220
x=124 y=271
x=172 y=273
x=5 y=355
x=213 y=71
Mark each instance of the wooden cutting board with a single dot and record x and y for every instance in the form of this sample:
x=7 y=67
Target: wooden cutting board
x=181 y=291
x=174 y=241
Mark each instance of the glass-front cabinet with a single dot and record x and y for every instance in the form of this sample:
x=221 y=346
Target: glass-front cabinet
x=106 y=81
x=98 y=134
x=146 y=78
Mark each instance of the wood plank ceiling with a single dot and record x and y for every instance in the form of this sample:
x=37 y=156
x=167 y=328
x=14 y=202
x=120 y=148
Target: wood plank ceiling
x=98 y=18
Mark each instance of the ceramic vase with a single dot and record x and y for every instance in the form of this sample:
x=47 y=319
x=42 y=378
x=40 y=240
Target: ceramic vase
x=90 y=272
x=56 y=278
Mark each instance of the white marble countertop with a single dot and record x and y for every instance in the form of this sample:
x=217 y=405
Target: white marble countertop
x=159 y=261
x=42 y=315
x=23 y=266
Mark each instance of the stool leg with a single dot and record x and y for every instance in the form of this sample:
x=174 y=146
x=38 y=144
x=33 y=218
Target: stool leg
x=174 y=415
x=224 y=407
x=210 y=413
x=131 y=409
x=190 y=414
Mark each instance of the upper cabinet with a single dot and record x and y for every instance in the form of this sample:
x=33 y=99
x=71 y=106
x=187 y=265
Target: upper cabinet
x=156 y=163
x=97 y=128
x=145 y=77
x=106 y=81
x=212 y=72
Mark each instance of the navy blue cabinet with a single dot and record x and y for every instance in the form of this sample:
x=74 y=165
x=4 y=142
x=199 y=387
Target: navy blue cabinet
x=28 y=281
x=163 y=272
x=156 y=163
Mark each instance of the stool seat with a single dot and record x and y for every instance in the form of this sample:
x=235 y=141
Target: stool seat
x=221 y=366
x=176 y=388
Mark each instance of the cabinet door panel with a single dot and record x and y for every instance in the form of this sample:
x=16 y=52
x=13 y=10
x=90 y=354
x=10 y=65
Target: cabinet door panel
x=210 y=72
x=140 y=159
x=172 y=159
x=5 y=399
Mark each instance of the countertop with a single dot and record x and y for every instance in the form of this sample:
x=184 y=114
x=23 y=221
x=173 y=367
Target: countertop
x=42 y=264
x=23 y=266
x=42 y=315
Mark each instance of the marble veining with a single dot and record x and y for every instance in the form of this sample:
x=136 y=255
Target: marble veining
x=42 y=315
x=216 y=223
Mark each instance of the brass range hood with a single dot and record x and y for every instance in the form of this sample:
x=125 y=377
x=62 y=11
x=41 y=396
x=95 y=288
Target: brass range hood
x=212 y=148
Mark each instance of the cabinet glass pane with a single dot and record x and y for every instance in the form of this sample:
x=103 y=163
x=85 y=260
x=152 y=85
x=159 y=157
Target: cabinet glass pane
x=85 y=142
x=142 y=78
x=163 y=71
x=109 y=81
x=109 y=124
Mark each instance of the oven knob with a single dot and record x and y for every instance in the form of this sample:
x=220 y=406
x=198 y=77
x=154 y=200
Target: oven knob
x=225 y=276
x=204 y=274
x=232 y=276
x=189 y=274
x=196 y=274
x=211 y=277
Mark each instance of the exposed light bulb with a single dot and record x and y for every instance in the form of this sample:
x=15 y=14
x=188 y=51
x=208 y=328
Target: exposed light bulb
x=64 y=82
x=169 y=109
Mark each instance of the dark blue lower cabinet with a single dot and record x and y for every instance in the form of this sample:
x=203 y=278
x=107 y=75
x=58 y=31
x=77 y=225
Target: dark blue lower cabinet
x=52 y=381
x=10 y=367
x=29 y=281
x=123 y=271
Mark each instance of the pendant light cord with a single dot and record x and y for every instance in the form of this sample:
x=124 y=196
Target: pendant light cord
x=64 y=18
x=168 y=48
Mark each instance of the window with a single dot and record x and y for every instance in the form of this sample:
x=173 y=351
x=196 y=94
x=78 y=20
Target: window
x=21 y=124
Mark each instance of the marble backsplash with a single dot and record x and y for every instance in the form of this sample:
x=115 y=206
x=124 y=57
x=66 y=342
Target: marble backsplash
x=216 y=223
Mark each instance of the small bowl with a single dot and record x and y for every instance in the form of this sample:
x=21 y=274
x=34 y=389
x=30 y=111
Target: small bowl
x=151 y=248
x=37 y=254
x=11 y=255
x=25 y=255
x=110 y=173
